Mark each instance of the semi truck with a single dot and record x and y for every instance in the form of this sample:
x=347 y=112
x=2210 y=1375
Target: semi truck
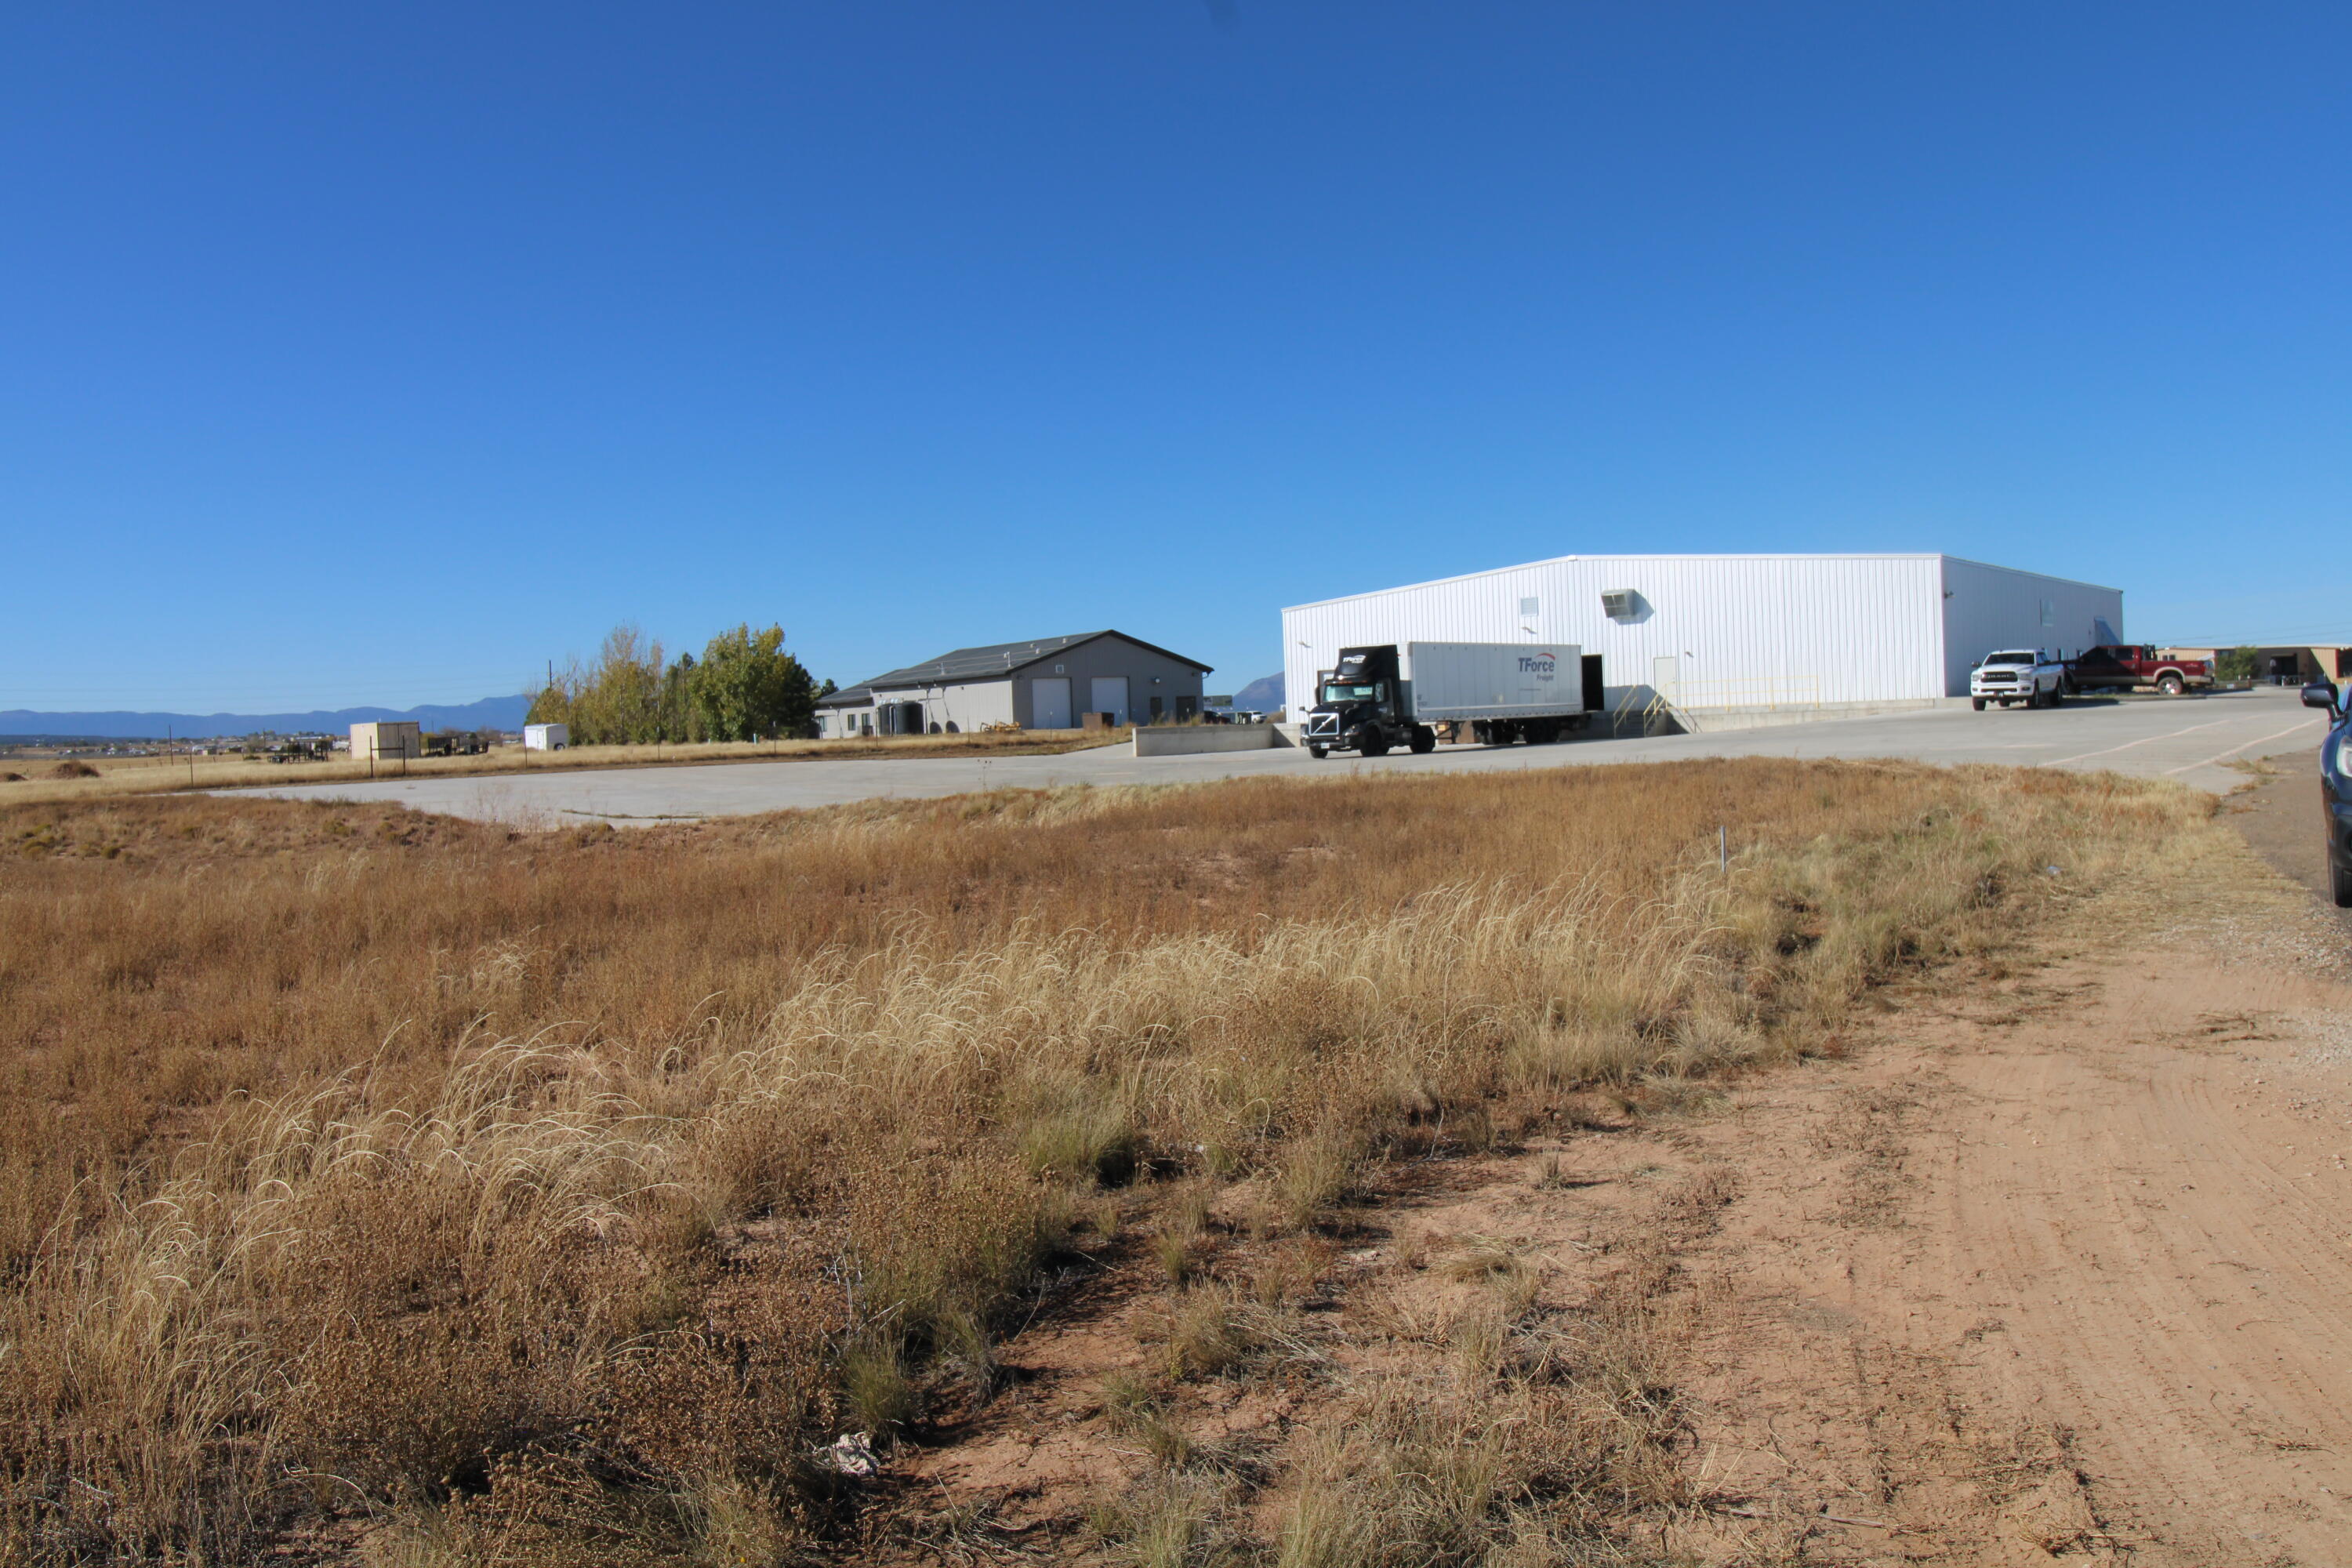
x=1399 y=694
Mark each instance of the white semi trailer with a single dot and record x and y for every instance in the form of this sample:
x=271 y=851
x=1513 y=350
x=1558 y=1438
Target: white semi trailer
x=1396 y=694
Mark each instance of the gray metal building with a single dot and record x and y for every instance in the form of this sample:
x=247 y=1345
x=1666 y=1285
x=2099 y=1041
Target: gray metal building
x=1044 y=683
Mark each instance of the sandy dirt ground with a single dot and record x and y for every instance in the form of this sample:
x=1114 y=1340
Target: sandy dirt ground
x=2097 y=1215
x=2054 y=1263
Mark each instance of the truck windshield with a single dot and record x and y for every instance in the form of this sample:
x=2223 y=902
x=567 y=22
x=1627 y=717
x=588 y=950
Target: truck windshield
x=2010 y=659
x=1344 y=691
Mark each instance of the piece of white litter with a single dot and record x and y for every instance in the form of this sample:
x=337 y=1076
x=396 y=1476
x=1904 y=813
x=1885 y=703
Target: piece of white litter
x=852 y=1454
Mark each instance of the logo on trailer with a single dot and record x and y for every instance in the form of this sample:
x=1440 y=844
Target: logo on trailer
x=1539 y=665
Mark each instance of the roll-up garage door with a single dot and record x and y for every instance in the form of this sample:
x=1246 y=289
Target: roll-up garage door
x=1049 y=702
x=1111 y=696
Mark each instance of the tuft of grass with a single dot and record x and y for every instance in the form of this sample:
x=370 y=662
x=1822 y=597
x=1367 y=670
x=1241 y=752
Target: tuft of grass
x=732 y=1523
x=1171 y=1520
x=1172 y=1251
x=428 y=1537
x=1207 y=1334
x=1129 y=1397
x=878 y=1396
x=1076 y=1128
x=1174 y=1247
x=1318 y=1175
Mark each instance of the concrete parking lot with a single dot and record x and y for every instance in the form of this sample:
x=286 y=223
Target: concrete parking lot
x=2191 y=738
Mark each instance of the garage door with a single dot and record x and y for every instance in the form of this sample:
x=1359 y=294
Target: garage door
x=1111 y=696
x=1049 y=702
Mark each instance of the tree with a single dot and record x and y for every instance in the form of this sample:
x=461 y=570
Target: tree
x=631 y=695
x=747 y=686
x=2237 y=663
x=680 y=721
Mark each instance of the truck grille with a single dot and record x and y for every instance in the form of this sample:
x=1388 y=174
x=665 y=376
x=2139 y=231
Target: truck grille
x=1323 y=724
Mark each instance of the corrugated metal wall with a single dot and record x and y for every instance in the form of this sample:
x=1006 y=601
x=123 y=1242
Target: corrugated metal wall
x=1721 y=630
x=1988 y=608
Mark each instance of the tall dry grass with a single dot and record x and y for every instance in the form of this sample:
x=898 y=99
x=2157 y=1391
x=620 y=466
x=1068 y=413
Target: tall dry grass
x=563 y=1192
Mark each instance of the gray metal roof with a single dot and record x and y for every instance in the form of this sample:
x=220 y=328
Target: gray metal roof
x=994 y=660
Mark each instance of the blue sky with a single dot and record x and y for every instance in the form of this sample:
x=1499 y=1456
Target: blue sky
x=377 y=353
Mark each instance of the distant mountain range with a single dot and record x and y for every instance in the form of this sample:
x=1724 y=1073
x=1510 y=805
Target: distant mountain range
x=1262 y=696
x=490 y=713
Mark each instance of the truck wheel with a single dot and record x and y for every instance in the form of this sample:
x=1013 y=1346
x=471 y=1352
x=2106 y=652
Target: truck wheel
x=1976 y=703
x=1425 y=739
x=2339 y=878
x=2168 y=683
x=1318 y=752
x=1370 y=742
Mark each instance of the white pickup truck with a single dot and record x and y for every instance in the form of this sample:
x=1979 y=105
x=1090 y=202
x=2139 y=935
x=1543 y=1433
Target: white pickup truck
x=2014 y=675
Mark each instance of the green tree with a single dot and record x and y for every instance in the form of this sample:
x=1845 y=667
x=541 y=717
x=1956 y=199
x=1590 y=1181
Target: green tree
x=747 y=686
x=631 y=695
x=2237 y=663
x=558 y=701
x=620 y=703
x=681 y=721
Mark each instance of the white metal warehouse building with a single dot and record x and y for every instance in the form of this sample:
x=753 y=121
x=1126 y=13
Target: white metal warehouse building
x=1709 y=632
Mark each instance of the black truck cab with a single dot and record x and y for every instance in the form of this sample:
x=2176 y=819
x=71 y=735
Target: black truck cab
x=1359 y=706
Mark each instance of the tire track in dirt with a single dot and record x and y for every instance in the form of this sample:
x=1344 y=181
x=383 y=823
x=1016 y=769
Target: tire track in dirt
x=2149 y=1196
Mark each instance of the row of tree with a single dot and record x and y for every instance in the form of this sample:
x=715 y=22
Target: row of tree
x=745 y=687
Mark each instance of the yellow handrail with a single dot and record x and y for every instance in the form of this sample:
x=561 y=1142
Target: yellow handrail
x=1767 y=691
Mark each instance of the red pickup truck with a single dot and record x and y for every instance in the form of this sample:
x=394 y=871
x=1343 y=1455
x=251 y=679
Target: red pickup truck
x=2118 y=667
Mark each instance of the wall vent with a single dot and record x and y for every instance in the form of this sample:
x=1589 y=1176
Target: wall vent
x=1530 y=606
x=1620 y=603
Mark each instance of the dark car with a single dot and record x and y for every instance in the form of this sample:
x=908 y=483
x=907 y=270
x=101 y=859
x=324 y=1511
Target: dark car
x=2336 y=787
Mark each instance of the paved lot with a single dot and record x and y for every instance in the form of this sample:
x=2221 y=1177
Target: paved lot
x=2283 y=819
x=2190 y=739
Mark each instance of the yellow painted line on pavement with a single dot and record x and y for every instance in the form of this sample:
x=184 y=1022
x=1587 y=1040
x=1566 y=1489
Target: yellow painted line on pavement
x=2233 y=751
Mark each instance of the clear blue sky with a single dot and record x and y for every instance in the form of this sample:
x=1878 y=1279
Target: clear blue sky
x=375 y=354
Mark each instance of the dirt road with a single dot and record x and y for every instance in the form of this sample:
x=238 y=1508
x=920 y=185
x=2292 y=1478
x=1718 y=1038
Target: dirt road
x=2146 y=1187
x=2091 y=1222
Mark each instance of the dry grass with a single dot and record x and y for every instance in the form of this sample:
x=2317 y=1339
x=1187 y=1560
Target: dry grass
x=564 y=1190
x=112 y=778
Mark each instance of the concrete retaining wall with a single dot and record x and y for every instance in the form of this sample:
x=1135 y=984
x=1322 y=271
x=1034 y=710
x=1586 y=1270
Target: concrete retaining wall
x=1712 y=720
x=1189 y=740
